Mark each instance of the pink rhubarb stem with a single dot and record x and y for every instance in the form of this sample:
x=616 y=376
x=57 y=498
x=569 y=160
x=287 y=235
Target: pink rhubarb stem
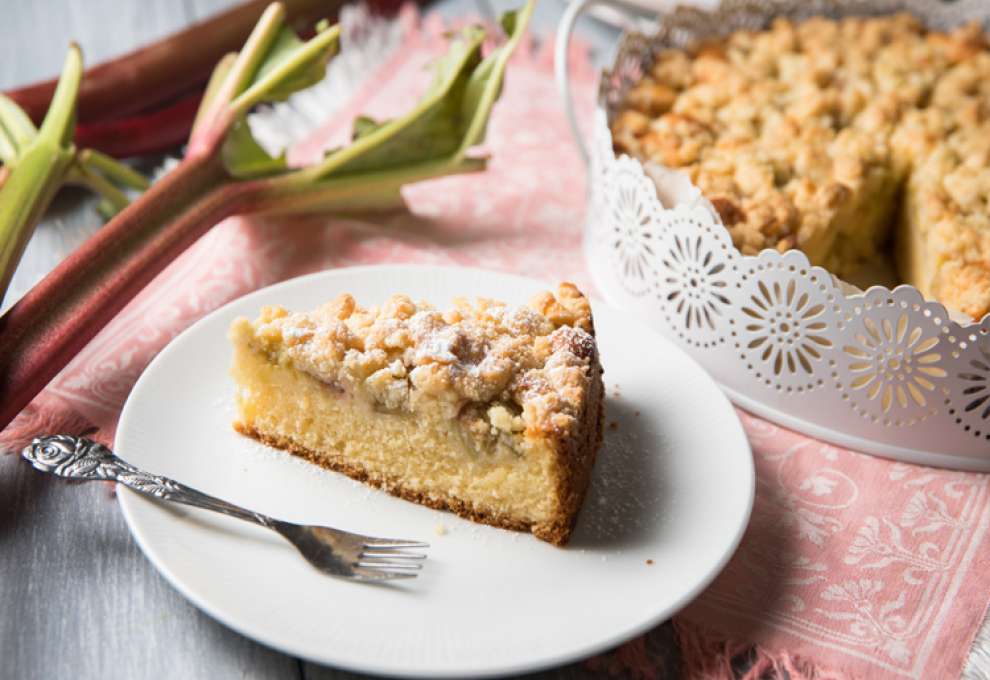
x=43 y=332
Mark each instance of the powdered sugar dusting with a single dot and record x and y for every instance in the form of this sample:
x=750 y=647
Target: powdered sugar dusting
x=406 y=356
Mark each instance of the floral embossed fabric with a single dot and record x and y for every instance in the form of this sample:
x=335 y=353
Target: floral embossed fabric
x=855 y=563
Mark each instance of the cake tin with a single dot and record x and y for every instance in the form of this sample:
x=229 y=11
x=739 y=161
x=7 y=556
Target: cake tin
x=882 y=370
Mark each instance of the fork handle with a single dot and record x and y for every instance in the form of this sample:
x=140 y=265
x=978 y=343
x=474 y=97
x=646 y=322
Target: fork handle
x=83 y=459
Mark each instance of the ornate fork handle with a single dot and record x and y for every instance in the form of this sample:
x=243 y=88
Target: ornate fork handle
x=81 y=458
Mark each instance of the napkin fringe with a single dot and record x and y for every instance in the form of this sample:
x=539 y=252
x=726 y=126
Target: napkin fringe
x=705 y=656
x=978 y=659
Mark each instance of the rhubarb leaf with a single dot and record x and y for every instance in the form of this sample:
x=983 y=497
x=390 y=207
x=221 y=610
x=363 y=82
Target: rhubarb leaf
x=244 y=157
x=450 y=118
x=364 y=125
x=486 y=81
x=289 y=65
x=431 y=141
x=281 y=65
x=273 y=64
x=16 y=130
x=39 y=168
x=429 y=130
x=297 y=74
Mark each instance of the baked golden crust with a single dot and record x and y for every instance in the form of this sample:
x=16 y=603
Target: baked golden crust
x=492 y=412
x=531 y=359
x=803 y=136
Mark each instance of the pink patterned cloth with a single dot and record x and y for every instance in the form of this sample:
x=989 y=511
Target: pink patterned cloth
x=862 y=565
x=852 y=566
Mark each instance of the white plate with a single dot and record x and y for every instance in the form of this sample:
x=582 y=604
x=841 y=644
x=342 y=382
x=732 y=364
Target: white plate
x=673 y=484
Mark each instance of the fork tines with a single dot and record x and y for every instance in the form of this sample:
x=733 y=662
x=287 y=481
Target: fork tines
x=389 y=559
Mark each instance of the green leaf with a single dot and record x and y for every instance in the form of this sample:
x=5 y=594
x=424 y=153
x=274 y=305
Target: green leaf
x=244 y=157
x=449 y=119
x=41 y=165
x=430 y=130
x=287 y=66
x=59 y=125
x=298 y=76
x=16 y=130
x=94 y=161
x=273 y=64
x=282 y=48
x=365 y=125
x=486 y=81
x=232 y=76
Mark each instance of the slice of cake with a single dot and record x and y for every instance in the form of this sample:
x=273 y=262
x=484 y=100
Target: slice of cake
x=490 y=411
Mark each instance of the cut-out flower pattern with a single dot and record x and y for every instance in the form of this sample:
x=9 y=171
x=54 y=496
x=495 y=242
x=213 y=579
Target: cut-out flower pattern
x=894 y=363
x=787 y=326
x=691 y=283
x=632 y=238
x=976 y=393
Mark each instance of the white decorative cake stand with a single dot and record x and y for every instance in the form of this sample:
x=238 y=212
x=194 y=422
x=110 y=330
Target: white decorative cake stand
x=882 y=371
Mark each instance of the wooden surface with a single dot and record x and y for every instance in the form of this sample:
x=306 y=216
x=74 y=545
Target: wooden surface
x=77 y=597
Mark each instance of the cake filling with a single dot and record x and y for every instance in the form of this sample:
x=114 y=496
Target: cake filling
x=491 y=411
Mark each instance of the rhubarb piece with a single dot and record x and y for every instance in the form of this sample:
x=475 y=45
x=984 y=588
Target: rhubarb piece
x=37 y=162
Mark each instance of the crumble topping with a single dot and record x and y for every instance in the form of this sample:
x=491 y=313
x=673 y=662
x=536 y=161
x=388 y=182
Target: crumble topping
x=789 y=129
x=502 y=370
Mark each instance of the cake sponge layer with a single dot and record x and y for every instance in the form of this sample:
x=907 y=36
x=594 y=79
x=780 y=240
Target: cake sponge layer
x=527 y=483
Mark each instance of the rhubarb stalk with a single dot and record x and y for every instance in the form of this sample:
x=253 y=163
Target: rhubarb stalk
x=37 y=162
x=226 y=172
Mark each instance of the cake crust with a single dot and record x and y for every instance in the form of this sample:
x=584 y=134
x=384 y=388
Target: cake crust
x=515 y=394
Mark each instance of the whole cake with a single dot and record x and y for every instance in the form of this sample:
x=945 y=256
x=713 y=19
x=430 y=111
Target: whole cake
x=493 y=412
x=841 y=138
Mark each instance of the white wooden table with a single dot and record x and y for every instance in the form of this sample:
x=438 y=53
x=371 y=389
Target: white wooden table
x=77 y=597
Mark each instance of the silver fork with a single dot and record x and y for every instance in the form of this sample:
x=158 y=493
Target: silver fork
x=332 y=551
